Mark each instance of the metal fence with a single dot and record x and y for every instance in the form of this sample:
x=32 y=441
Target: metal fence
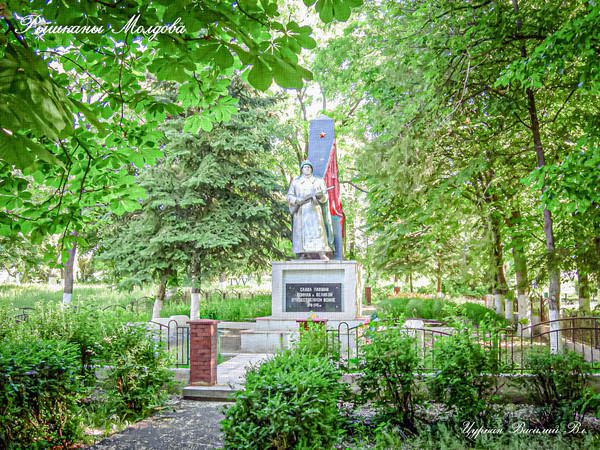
x=508 y=345
x=348 y=340
x=176 y=339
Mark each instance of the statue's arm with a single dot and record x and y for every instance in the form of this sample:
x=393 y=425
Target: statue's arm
x=321 y=193
x=292 y=198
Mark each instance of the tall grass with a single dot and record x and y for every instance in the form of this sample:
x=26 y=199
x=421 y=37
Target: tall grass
x=14 y=297
x=27 y=295
x=217 y=308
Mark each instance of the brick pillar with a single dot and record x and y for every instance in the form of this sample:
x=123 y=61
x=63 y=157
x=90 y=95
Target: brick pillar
x=203 y=352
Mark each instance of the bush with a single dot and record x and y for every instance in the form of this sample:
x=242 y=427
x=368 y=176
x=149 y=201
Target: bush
x=139 y=375
x=317 y=341
x=558 y=381
x=291 y=401
x=422 y=308
x=481 y=315
x=394 y=308
x=39 y=392
x=466 y=376
x=388 y=363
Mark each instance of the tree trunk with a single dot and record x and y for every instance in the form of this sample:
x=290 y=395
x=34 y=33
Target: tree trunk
x=223 y=280
x=439 y=275
x=411 y=281
x=583 y=291
x=553 y=272
x=523 y=300
x=501 y=288
x=158 y=302
x=195 y=300
x=68 y=278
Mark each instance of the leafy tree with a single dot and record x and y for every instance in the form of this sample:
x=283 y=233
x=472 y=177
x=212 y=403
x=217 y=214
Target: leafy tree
x=446 y=112
x=77 y=109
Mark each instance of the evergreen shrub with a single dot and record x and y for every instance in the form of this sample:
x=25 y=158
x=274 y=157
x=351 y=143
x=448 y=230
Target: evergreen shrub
x=40 y=387
x=291 y=401
x=389 y=362
x=139 y=376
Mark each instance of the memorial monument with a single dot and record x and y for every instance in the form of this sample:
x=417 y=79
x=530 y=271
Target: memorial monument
x=312 y=234
x=320 y=282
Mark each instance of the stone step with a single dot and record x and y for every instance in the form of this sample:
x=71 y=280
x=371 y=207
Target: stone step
x=230 y=343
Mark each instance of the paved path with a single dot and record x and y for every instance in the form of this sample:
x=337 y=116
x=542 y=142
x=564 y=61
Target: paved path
x=230 y=377
x=193 y=425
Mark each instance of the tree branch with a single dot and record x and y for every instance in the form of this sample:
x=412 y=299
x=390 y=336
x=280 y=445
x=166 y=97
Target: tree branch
x=520 y=120
x=355 y=186
x=563 y=105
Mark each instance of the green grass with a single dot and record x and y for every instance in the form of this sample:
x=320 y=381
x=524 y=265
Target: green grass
x=101 y=296
x=27 y=295
x=230 y=310
x=437 y=309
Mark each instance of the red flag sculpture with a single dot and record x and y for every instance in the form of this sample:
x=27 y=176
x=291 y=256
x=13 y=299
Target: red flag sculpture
x=331 y=180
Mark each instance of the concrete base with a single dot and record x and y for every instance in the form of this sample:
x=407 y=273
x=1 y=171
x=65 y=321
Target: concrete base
x=270 y=333
x=346 y=274
x=280 y=330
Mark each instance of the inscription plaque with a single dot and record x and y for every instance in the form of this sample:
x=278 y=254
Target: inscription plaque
x=317 y=297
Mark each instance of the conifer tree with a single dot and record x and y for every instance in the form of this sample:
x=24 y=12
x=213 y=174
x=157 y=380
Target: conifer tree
x=211 y=206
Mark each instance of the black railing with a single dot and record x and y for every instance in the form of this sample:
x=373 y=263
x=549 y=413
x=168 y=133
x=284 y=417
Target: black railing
x=176 y=338
x=508 y=345
x=347 y=341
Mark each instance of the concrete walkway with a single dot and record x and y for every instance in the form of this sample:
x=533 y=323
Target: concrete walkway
x=230 y=377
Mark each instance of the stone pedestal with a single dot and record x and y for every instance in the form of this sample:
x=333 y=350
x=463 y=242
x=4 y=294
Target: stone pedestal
x=303 y=288
x=330 y=289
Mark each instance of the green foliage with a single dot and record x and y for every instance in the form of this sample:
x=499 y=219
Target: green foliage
x=80 y=323
x=500 y=436
x=480 y=315
x=555 y=379
x=454 y=103
x=439 y=309
x=428 y=308
x=316 y=340
x=139 y=375
x=230 y=309
x=211 y=207
x=39 y=393
x=466 y=377
x=291 y=401
x=389 y=362
x=76 y=135
x=101 y=296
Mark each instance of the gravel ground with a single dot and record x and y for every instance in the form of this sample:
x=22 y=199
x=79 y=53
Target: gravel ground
x=191 y=425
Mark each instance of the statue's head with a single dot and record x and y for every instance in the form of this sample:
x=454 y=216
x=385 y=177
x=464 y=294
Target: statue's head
x=306 y=167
